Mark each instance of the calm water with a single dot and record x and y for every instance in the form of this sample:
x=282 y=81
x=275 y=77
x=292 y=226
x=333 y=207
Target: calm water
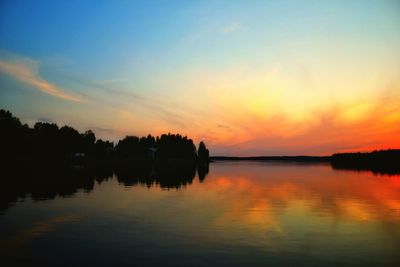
x=241 y=214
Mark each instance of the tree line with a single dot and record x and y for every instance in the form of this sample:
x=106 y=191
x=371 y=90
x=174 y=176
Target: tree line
x=48 y=141
x=378 y=161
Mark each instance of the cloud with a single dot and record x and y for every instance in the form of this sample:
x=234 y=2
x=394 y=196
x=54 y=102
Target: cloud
x=231 y=27
x=329 y=130
x=267 y=115
x=225 y=127
x=26 y=71
x=43 y=119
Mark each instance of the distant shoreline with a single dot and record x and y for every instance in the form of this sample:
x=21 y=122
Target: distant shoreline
x=275 y=158
x=46 y=142
x=378 y=161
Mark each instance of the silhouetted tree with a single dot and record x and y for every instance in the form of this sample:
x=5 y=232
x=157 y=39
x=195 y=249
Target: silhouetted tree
x=128 y=147
x=48 y=141
x=87 y=142
x=171 y=146
x=45 y=141
x=103 y=149
x=15 y=138
x=70 y=140
x=203 y=153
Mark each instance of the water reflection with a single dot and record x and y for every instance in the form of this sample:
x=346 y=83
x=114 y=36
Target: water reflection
x=166 y=177
x=242 y=214
x=41 y=183
x=273 y=188
x=364 y=167
x=38 y=229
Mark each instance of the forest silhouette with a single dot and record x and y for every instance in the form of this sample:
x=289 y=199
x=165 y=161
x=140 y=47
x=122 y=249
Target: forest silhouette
x=46 y=161
x=378 y=161
x=46 y=141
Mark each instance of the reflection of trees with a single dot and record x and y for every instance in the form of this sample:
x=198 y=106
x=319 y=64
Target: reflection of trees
x=165 y=176
x=37 y=160
x=202 y=171
x=47 y=181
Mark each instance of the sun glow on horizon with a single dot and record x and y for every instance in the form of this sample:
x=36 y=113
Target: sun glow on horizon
x=265 y=78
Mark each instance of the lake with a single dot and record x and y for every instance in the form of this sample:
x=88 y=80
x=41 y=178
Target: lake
x=240 y=214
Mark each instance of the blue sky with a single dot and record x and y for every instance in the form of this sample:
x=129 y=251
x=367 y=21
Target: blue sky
x=138 y=67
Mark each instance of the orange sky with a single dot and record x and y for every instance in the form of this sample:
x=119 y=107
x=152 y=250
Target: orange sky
x=249 y=79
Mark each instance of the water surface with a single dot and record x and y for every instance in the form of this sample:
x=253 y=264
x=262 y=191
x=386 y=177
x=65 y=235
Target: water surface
x=240 y=214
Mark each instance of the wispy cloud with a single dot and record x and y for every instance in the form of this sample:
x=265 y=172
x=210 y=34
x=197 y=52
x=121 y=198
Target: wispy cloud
x=231 y=27
x=44 y=119
x=27 y=71
x=225 y=127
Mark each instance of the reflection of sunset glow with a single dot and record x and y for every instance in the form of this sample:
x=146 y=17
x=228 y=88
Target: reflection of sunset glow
x=38 y=229
x=259 y=198
x=240 y=208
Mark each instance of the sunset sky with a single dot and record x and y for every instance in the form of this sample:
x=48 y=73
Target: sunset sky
x=247 y=77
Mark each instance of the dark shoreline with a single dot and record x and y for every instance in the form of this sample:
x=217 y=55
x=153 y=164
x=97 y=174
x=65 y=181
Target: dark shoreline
x=275 y=158
x=383 y=162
